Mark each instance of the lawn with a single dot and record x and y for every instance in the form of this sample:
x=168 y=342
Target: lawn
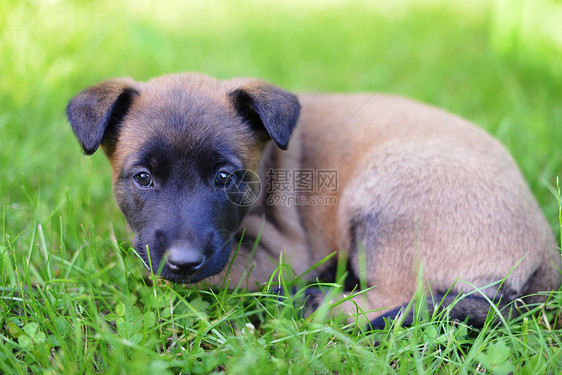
x=74 y=298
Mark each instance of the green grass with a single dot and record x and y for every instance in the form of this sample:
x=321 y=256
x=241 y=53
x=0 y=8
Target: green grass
x=75 y=299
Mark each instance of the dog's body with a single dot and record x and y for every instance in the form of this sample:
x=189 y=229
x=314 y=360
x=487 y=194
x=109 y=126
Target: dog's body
x=415 y=188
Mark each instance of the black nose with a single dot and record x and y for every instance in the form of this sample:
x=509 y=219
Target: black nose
x=185 y=261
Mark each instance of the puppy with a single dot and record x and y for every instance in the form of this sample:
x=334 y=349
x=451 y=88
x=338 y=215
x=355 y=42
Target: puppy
x=394 y=186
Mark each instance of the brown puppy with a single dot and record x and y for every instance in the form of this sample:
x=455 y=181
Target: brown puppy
x=394 y=184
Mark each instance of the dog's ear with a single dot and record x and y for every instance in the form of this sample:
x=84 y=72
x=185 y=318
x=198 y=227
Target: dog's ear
x=268 y=109
x=95 y=113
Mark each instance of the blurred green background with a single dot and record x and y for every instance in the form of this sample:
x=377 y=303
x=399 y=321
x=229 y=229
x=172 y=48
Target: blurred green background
x=497 y=63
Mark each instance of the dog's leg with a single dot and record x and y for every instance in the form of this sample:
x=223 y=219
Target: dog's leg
x=261 y=256
x=359 y=306
x=473 y=309
x=374 y=308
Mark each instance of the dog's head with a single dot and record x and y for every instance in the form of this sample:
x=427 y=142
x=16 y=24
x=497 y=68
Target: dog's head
x=181 y=147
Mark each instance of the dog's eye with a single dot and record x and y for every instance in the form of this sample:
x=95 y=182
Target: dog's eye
x=143 y=180
x=223 y=179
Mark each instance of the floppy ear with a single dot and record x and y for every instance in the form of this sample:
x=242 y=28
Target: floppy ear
x=268 y=109
x=95 y=113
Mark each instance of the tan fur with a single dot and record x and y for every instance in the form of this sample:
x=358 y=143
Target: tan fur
x=449 y=196
x=417 y=188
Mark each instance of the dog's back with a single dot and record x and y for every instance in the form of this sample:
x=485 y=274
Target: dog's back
x=420 y=189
